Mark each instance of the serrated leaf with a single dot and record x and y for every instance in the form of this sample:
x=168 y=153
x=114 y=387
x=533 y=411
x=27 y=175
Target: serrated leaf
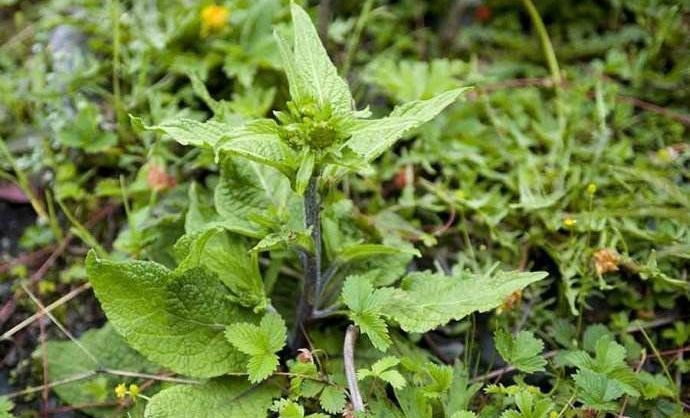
x=357 y=251
x=66 y=359
x=311 y=74
x=366 y=309
x=258 y=141
x=227 y=256
x=249 y=193
x=6 y=407
x=332 y=399
x=370 y=138
x=192 y=132
x=221 y=398
x=597 y=391
x=413 y=403
x=394 y=378
x=428 y=300
x=441 y=377
x=260 y=343
x=609 y=355
x=382 y=369
x=174 y=320
x=383 y=364
x=522 y=351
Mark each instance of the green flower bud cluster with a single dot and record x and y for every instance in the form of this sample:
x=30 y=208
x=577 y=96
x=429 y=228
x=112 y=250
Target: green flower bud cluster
x=308 y=125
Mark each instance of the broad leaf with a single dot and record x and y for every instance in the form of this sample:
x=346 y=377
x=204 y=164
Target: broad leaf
x=222 y=398
x=250 y=196
x=174 y=320
x=227 y=256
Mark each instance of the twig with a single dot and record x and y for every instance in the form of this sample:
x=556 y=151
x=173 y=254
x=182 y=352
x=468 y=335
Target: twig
x=69 y=408
x=638 y=327
x=91 y=373
x=162 y=378
x=658 y=356
x=50 y=261
x=75 y=378
x=27 y=258
x=350 y=372
x=500 y=372
x=58 y=324
x=684 y=119
x=7 y=310
x=44 y=363
x=64 y=299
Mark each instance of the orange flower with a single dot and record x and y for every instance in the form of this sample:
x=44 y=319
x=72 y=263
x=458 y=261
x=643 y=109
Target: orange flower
x=606 y=261
x=158 y=179
x=510 y=302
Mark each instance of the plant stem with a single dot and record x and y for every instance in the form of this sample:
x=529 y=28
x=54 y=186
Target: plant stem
x=311 y=265
x=350 y=372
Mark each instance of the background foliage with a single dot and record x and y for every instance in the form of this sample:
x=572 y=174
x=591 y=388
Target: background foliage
x=570 y=155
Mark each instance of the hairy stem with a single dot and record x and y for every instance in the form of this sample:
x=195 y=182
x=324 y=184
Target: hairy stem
x=350 y=372
x=311 y=265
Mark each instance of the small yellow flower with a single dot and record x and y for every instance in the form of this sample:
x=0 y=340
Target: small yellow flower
x=121 y=391
x=134 y=391
x=591 y=189
x=213 y=18
x=569 y=222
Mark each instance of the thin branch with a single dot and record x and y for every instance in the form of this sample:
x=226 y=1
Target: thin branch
x=92 y=373
x=126 y=373
x=350 y=372
x=500 y=372
x=64 y=299
x=58 y=324
x=71 y=379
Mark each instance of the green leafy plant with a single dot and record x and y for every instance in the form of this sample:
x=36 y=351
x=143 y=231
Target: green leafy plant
x=216 y=314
